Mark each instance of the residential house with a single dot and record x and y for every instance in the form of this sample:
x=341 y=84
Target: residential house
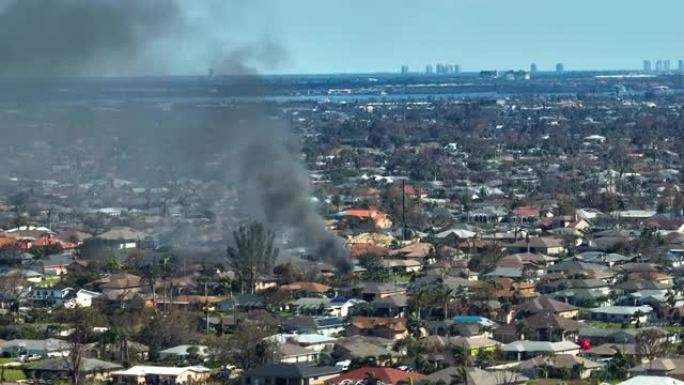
x=67 y=297
x=374 y=218
x=340 y=306
x=50 y=347
x=542 y=245
x=545 y=304
x=241 y=302
x=145 y=374
x=326 y=326
x=392 y=306
x=120 y=284
x=53 y=265
x=651 y=380
x=181 y=353
x=56 y=370
x=375 y=290
x=474 y=345
x=290 y=374
x=306 y=289
x=661 y=278
x=602 y=258
x=672 y=367
x=606 y=352
x=359 y=346
x=525 y=349
x=556 y=366
x=403 y=266
x=309 y=305
x=388 y=376
x=120 y=238
x=420 y=251
x=385 y=327
x=621 y=313
x=547 y=326
x=476 y=376
x=295 y=353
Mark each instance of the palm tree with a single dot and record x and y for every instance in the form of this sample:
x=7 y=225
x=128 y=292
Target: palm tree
x=460 y=354
x=460 y=377
x=637 y=317
x=419 y=297
x=671 y=298
x=446 y=294
x=523 y=330
x=150 y=274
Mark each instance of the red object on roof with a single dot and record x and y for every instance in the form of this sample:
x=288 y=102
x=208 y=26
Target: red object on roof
x=389 y=376
x=584 y=344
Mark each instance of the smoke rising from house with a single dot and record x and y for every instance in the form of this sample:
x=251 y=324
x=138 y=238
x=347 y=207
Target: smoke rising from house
x=53 y=39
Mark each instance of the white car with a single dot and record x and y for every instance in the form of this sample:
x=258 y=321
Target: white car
x=343 y=365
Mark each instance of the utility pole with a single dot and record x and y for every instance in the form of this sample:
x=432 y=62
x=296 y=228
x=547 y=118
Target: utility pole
x=403 y=209
x=206 y=308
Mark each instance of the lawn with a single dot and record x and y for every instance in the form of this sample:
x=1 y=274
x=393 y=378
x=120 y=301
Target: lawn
x=13 y=375
x=6 y=360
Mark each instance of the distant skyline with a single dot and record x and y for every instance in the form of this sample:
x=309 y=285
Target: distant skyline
x=350 y=36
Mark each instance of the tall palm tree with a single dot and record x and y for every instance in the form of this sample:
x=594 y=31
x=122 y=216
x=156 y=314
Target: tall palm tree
x=446 y=294
x=419 y=297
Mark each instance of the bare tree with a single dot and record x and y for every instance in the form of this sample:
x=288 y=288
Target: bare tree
x=253 y=253
x=82 y=322
x=12 y=288
x=651 y=344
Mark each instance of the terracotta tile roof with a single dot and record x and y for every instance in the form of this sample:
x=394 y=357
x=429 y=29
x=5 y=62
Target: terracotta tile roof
x=312 y=287
x=527 y=211
x=389 y=376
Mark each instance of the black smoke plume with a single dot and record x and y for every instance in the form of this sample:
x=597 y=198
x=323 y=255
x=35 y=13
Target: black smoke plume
x=49 y=40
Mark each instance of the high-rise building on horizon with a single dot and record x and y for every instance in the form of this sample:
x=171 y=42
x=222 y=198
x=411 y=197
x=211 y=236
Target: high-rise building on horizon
x=404 y=69
x=666 y=65
x=533 y=69
x=647 y=66
x=560 y=68
x=428 y=69
x=681 y=65
x=659 y=66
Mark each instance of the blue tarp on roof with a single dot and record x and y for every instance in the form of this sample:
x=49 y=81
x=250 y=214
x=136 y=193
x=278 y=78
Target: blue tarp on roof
x=338 y=301
x=329 y=322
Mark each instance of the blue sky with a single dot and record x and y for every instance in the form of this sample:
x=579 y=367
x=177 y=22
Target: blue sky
x=334 y=36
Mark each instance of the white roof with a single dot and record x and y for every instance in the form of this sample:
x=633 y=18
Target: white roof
x=626 y=310
x=142 y=370
x=539 y=346
x=652 y=380
x=183 y=349
x=306 y=339
x=458 y=232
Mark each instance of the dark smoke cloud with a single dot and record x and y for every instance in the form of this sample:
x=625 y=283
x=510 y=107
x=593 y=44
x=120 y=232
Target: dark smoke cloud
x=50 y=39
x=276 y=188
x=42 y=38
